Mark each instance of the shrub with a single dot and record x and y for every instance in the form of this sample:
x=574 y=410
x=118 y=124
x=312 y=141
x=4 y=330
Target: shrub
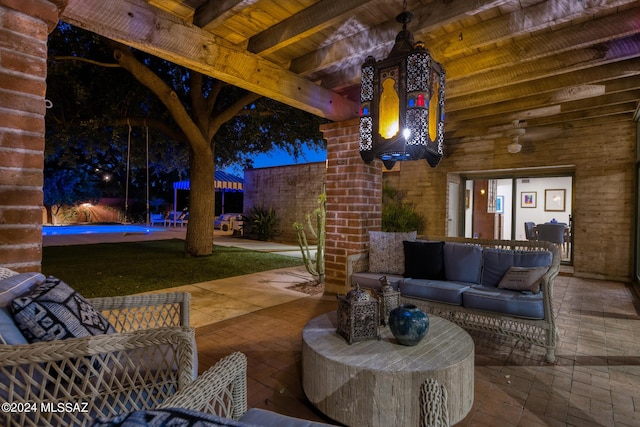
x=398 y=215
x=263 y=222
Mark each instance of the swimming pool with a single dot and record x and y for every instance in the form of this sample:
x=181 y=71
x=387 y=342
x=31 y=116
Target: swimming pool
x=63 y=230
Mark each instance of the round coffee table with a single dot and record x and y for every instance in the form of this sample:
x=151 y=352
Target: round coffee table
x=379 y=382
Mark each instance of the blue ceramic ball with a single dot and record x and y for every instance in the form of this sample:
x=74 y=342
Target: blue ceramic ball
x=408 y=324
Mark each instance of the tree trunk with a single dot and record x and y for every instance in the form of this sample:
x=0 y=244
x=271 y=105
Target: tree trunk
x=199 y=240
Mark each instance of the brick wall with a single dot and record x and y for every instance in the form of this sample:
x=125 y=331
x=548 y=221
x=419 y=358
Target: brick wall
x=24 y=27
x=354 y=201
x=292 y=191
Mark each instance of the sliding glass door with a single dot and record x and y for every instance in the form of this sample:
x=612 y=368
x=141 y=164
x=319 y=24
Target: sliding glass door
x=512 y=208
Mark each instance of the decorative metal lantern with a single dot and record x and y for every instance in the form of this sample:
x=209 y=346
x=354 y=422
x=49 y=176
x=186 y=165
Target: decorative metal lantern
x=358 y=316
x=402 y=103
x=388 y=299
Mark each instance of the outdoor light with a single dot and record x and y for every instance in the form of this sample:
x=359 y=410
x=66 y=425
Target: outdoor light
x=402 y=103
x=358 y=316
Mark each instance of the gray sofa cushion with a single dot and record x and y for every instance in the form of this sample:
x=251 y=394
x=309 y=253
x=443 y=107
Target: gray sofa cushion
x=496 y=263
x=372 y=280
x=13 y=286
x=514 y=303
x=436 y=290
x=462 y=262
x=165 y=418
x=262 y=417
x=9 y=332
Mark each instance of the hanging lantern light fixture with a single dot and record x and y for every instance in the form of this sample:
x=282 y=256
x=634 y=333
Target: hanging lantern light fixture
x=402 y=103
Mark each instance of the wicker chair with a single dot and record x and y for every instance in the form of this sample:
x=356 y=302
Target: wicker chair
x=70 y=382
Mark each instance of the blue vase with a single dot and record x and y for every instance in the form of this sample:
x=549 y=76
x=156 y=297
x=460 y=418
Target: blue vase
x=408 y=324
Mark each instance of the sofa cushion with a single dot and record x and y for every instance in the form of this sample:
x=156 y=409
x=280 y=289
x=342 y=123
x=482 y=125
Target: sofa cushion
x=519 y=304
x=53 y=310
x=372 y=280
x=523 y=279
x=435 y=290
x=6 y=272
x=386 y=252
x=496 y=263
x=424 y=260
x=169 y=417
x=16 y=285
x=462 y=262
x=262 y=417
x=9 y=332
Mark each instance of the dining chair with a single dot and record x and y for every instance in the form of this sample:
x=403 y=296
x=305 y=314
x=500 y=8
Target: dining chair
x=529 y=231
x=551 y=233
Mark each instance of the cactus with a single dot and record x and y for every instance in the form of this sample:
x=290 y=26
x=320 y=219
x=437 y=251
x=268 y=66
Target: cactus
x=314 y=267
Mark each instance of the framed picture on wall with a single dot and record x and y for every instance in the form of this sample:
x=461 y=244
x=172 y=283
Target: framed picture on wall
x=500 y=204
x=554 y=200
x=528 y=199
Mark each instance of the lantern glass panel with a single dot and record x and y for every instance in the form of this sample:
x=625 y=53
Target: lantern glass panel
x=434 y=103
x=389 y=107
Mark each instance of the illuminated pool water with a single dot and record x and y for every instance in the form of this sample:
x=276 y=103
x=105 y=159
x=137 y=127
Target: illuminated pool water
x=60 y=230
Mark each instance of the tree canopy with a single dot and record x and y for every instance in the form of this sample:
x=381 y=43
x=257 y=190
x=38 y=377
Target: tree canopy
x=105 y=95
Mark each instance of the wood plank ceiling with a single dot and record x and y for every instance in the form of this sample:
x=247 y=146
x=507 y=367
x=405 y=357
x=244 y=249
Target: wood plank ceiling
x=548 y=65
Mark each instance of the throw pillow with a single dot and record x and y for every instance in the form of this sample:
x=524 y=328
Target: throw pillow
x=169 y=417
x=523 y=279
x=424 y=260
x=496 y=263
x=386 y=253
x=53 y=310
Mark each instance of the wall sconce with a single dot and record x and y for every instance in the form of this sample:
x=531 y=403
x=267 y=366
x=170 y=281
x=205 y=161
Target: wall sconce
x=402 y=103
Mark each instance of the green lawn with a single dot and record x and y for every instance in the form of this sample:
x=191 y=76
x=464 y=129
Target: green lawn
x=110 y=269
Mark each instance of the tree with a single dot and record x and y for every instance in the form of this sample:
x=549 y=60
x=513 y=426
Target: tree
x=68 y=187
x=215 y=120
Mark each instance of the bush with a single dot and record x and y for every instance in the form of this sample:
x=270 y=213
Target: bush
x=398 y=215
x=263 y=222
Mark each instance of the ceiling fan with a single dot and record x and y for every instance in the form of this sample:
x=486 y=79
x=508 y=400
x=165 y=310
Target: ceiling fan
x=519 y=133
x=515 y=135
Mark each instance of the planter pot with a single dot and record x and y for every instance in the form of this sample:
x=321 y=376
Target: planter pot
x=408 y=324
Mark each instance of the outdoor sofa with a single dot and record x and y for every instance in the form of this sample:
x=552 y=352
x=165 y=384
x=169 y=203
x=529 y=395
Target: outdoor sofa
x=144 y=364
x=499 y=286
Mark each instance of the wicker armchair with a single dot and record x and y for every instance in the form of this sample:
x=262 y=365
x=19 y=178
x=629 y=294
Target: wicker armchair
x=70 y=382
x=221 y=390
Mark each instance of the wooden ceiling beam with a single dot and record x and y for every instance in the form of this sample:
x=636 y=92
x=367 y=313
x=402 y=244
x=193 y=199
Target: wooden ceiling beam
x=600 y=41
x=589 y=33
x=566 y=62
x=382 y=37
x=541 y=88
x=213 y=13
x=144 y=27
x=315 y=18
x=590 y=97
x=545 y=116
x=520 y=22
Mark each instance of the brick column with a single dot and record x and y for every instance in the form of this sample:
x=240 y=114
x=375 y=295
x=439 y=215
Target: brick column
x=354 y=201
x=24 y=27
